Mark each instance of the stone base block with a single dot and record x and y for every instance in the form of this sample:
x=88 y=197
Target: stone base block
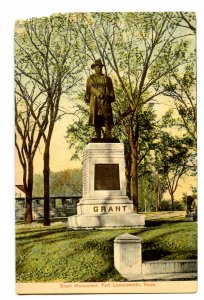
x=100 y=206
x=192 y=216
x=90 y=221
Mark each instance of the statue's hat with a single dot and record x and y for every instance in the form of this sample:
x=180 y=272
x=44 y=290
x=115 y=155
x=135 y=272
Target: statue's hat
x=98 y=62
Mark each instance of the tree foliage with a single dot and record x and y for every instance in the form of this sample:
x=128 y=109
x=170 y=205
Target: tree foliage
x=173 y=160
x=139 y=51
x=62 y=183
x=181 y=88
x=27 y=135
x=45 y=53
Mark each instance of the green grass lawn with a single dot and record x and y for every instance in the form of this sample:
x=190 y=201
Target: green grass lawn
x=51 y=254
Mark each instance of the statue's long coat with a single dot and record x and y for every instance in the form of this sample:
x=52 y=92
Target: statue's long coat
x=96 y=106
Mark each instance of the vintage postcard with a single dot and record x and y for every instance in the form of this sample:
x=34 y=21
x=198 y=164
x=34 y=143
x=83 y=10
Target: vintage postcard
x=106 y=147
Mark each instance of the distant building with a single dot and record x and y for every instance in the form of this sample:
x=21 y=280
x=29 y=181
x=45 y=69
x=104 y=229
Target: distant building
x=19 y=191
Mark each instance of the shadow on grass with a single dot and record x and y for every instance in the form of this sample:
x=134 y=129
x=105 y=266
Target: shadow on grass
x=38 y=233
x=41 y=221
x=56 y=234
x=52 y=235
x=155 y=249
x=153 y=223
x=149 y=254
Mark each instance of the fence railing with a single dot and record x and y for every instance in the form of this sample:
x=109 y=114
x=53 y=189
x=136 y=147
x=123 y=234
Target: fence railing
x=60 y=206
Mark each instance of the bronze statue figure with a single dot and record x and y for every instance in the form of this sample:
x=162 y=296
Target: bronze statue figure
x=100 y=94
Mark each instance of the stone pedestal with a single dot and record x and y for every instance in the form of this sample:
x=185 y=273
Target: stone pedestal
x=128 y=262
x=104 y=202
x=128 y=255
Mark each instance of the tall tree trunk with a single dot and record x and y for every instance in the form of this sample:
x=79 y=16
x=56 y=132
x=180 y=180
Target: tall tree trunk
x=29 y=192
x=46 y=173
x=172 y=200
x=156 y=195
x=28 y=212
x=133 y=140
x=134 y=180
x=128 y=183
x=128 y=170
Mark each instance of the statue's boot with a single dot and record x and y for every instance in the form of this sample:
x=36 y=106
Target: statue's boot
x=98 y=132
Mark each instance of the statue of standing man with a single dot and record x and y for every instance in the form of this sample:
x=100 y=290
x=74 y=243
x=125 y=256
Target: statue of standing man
x=100 y=94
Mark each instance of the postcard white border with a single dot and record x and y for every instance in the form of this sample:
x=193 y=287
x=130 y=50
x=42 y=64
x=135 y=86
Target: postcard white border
x=10 y=10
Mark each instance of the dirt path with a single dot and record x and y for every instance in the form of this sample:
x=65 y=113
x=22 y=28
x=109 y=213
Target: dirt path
x=164 y=215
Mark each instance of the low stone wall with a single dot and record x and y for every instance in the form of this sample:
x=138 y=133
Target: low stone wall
x=169 y=266
x=128 y=262
x=59 y=207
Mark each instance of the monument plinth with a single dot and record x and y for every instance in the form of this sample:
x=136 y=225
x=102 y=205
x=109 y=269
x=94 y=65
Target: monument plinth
x=104 y=202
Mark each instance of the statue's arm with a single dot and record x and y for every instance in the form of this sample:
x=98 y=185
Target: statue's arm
x=89 y=90
x=92 y=89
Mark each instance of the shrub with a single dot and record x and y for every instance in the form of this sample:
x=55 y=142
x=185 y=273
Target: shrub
x=179 y=205
x=165 y=205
